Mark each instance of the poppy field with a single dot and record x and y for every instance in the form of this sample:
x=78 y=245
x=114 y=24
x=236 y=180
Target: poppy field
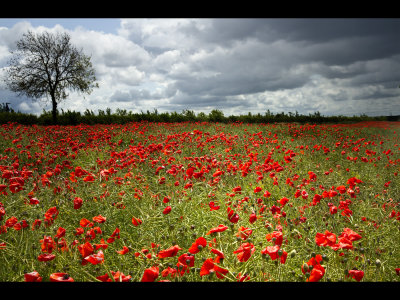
x=200 y=202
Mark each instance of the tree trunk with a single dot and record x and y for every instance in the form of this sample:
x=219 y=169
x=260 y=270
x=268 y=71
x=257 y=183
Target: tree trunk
x=54 y=112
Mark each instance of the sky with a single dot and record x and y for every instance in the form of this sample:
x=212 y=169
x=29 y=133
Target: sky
x=331 y=65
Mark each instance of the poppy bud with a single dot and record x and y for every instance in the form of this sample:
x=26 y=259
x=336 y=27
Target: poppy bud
x=378 y=263
x=293 y=253
x=280 y=252
x=305 y=267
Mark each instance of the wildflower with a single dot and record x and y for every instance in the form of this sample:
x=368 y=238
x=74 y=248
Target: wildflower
x=117 y=276
x=356 y=274
x=167 y=210
x=150 y=274
x=209 y=266
x=32 y=277
x=94 y=259
x=277 y=235
x=232 y=216
x=326 y=239
x=169 y=271
x=244 y=232
x=77 y=202
x=102 y=244
x=60 y=232
x=252 y=218
x=244 y=277
x=113 y=236
x=199 y=244
x=220 y=255
x=172 y=251
x=123 y=251
x=219 y=228
x=46 y=257
x=317 y=271
x=61 y=277
x=350 y=234
x=244 y=251
x=136 y=221
x=99 y=219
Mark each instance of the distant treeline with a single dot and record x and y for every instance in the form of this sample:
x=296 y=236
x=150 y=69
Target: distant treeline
x=122 y=116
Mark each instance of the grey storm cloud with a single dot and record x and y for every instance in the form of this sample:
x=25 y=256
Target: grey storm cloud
x=242 y=65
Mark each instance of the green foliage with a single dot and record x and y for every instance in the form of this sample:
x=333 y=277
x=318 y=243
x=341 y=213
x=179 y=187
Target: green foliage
x=122 y=116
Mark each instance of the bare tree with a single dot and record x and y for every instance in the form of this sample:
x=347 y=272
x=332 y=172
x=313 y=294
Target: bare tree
x=46 y=65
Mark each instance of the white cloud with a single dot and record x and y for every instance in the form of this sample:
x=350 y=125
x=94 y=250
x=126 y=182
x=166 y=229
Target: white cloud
x=235 y=65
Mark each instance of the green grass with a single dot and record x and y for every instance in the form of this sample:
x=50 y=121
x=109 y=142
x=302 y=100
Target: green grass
x=136 y=150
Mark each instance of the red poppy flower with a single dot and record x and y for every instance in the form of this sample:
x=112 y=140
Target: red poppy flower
x=186 y=260
x=219 y=228
x=11 y=222
x=80 y=172
x=277 y=235
x=218 y=173
x=89 y=178
x=34 y=201
x=79 y=231
x=326 y=239
x=213 y=206
x=123 y=251
x=85 y=249
x=51 y=213
x=244 y=251
x=343 y=243
x=32 y=277
x=272 y=251
x=77 y=203
x=150 y=274
x=113 y=236
x=36 y=224
x=46 y=257
x=136 y=221
x=317 y=271
x=117 y=276
x=350 y=235
x=356 y=274
x=220 y=255
x=241 y=278
x=232 y=216
x=283 y=201
x=99 y=219
x=199 y=244
x=48 y=244
x=94 y=259
x=167 y=210
x=209 y=267
x=244 y=232
x=171 y=251
x=169 y=271
x=267 y=194
x=252 y=218
x=333 y=210
x=60 y=232
x=61 y=277
x=85 y=223
x=102 y=244
x=257 y=189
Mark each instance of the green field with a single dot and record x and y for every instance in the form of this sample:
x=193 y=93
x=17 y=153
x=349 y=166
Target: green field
x=200 y=202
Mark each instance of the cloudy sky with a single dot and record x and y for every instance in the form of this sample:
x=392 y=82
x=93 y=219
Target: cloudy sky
x=334 y=66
